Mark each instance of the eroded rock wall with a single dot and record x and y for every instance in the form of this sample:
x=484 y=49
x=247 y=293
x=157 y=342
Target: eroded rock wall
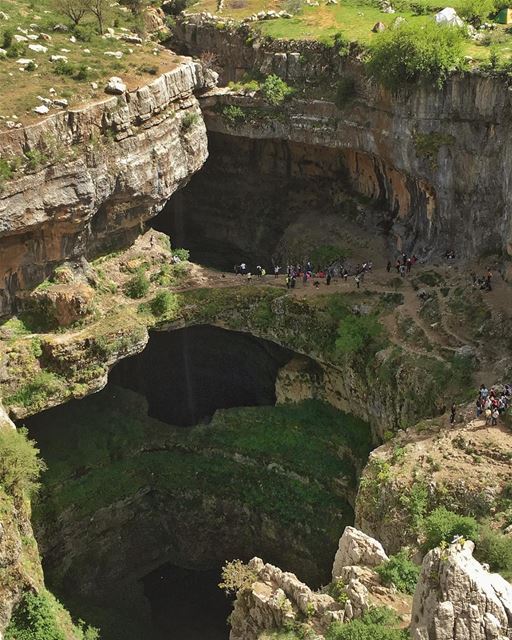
x=101 y=171
x=439 y=158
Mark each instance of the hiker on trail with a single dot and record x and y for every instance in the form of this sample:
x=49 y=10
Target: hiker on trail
x=495 y=416
x=488 y=279
x=243 y=268
x=292 y=283
x=484 y=392
x=152 y=241
x=345 y=275
x=357 y=281
x=316 y=284
x=409 y=265
x=397 y=265
x=263 y=273
x=258 y=271
x=402 y=271
x=452 y=413
x=276 y=271
x=305 y=279
x=249 y=277
x=236 y=269
x=328 y=278
x=478 y=407
x=288 y=280
x=388 y=266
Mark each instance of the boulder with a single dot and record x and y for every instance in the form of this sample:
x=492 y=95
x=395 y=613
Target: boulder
x=356 y=548
x=378 y=27
x=38 y=48
x=457 y=599
x=115 y=86
x=18 y=38
x=41 y=110
x=65 y=304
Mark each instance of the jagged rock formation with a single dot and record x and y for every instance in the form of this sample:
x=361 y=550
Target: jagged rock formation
x=437 y=158
x=356 y=548
x=457 y=599
x=97 y=173
x=277 y=599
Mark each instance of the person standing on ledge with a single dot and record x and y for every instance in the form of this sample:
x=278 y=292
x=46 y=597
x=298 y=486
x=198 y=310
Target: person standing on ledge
x=452 y=413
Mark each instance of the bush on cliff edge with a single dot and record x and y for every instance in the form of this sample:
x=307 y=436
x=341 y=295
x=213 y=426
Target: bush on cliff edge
x=414 y=53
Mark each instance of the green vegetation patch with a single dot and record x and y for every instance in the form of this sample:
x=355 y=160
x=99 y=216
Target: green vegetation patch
x=290 y=462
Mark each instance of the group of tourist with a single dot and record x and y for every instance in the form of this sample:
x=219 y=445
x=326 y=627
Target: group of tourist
x=493 y=402
x=403 y=264
x=306 y=273
x=483 y=282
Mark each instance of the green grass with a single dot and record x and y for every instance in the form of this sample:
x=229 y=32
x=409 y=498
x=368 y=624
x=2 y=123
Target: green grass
x=354 y=18
x=105 y=436
x=86 y=58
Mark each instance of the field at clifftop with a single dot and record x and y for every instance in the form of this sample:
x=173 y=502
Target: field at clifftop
x=354 y=19
x=32 y=34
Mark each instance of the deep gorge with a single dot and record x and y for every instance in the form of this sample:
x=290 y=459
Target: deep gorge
x=131 y=505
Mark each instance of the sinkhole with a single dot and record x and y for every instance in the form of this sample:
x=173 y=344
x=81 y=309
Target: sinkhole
x=183 y=462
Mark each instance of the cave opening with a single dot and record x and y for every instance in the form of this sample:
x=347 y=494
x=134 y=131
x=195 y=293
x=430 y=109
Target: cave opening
x=188 y=374
x=137 y=515
x=271 y=202
x=187 y=604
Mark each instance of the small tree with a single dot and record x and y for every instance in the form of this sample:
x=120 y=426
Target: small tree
x=414 y=53
x=100 y=9
x=75 y=10
x=476 y=11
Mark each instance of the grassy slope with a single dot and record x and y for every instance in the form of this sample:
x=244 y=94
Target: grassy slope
x=94 y=456
x=25 y=86
x=354 y=18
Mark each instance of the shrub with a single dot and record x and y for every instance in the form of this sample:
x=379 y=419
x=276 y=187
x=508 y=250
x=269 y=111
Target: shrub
x=376 y=624
x=345 y=91
x=163 y=302
x=412 y=53
x=83 y=73
x=496 y=550
x=63 y=68
x=35 y=159
x=236 y=576
x=6 y=169
x=476 y=11
x=20 y=466
x=138 y=286
x=84 y=33
x=443 y=525
x=189 y=120
x=357 y=333
x=34 y=619
x=40 y=616
x=342 y=44
x=400 y=571
x=338 y=591
x=275 y=91
x=7 y=38
x=233 y=115
x=182 y=254
x=17 y=50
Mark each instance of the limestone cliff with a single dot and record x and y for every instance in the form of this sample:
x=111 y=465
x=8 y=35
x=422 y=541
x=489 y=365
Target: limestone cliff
x=94 y=174
x=438 y=159
x=457 y=598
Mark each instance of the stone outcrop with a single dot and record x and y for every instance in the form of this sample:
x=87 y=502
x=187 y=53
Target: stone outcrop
x=457 y=599
x=278 y=598
x=356 y=548
x=438 y=159
x=93 y=174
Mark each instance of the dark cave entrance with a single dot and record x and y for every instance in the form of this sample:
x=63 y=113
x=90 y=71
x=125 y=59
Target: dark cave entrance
x=269 y=202
x=186 y=604
x=187 y=374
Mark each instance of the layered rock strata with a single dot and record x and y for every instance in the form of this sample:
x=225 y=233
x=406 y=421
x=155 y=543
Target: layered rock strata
x=93 y=175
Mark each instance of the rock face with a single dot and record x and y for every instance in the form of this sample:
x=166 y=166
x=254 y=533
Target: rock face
x=97 y=173
x=276 y=598
x=356 y=548
x=456 y=598
x=438 y=159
